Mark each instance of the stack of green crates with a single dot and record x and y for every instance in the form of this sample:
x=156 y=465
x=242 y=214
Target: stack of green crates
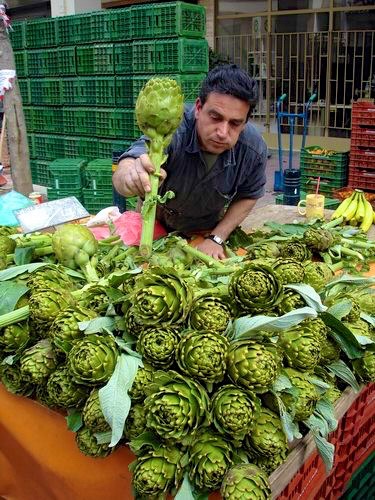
x=98 y=181
x=330 y=166
x=66 y=178
x=80 y=75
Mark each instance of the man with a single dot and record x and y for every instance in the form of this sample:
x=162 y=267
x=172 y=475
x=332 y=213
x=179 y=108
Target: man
x=215 y=166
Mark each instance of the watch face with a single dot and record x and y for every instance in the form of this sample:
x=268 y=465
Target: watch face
x=217 y=239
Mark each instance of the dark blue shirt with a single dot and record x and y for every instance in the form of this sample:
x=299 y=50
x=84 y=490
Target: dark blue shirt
x=201 y=195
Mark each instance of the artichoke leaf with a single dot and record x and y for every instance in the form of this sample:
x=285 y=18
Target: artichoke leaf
x=290 y=428
x=186 y=490
x=23 y=255
x=10 y=360
x=247 y=324
x=147 y=439
x=310 y=296
x=368 y=318
x=341 y=309
x=343 y=336
x=97 y=325
x=325 y=408
x=10 y=293
x=326 y=450
x=74 y=419
x=103 y=437
x=13 y=272
x=114 y=399
x=342 y=370
x=282 y=383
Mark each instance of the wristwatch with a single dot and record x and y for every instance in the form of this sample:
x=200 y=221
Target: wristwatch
x=215 y=238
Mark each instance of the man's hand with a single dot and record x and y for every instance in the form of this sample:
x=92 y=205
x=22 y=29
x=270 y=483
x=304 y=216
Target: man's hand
x=132 y=176
x=212 y=249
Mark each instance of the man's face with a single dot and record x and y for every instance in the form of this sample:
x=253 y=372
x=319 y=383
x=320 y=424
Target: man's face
x=220 y=121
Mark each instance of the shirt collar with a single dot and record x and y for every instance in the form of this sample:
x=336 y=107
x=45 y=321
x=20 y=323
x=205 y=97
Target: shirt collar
x=227 y=157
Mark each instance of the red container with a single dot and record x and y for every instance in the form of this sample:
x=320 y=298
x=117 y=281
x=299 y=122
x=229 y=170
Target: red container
x=360 y=157
x=363 y=137
x=362 y=179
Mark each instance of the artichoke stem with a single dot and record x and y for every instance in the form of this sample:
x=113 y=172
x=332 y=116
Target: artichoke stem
x=148 y=220
x=351 y=253
x=356 y=243
x=337 y=267
x=206 y=259
x=40 y=252
x=333 y=223
x=89 y=272
x=34 y=241
x=14 y=316
x=126 y=253
x=110 y=240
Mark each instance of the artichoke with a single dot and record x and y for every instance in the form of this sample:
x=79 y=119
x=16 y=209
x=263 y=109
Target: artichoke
x=87 y=443
x=143 y=378
x=211 y=313
x=7 y=230
x=43 y=397
x=359 y=327
x=267 y=437
x=318 y=240
x=14 y=337
x=161 y=297
x=269 y=464
x=317 y=327
x=301 y=347
x=94 y=297
x=295 y=250
x=366 y=301
x=355 y=312
x=131 y=325
x=288 y=270
x=234 y=411
x=266 y=250
x=38 y=362
x=333 y=394
x=46 y=303
x=14 y=381
x=157 y=472
x=65 y=329
x=252 y=365
x=63 y=392
x=92 y=359
x=203 y=356
x=330 y=352
x=92 y=414
x=255 y=288
x=159 y=108
x=157 y=346
x=135 y=422
x=245 y=481
x=7 y=245
x=3 y=262
x=50 y=276
x=301 y=405
x=210 y=457
x=74 y=245
x=291 y=300
x=178 y=408
x=365 y=367
x=317 y=274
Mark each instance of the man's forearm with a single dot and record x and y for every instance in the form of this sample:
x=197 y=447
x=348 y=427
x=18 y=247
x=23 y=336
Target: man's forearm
x=234 y=216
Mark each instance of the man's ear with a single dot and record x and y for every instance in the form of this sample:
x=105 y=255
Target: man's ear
x=198 y=107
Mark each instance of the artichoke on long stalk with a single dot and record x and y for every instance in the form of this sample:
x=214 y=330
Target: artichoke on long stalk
x=159 y=110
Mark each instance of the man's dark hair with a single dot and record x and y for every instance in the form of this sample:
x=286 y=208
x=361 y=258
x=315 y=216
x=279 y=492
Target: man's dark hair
x=230 y=79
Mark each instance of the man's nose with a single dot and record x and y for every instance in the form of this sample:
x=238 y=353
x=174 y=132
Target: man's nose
x=222 y=129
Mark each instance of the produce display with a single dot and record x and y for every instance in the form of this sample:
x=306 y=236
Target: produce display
x=207 y=369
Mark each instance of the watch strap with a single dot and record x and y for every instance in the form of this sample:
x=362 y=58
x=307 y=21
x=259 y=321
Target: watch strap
x=216 y=239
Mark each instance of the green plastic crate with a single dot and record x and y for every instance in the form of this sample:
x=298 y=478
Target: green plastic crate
x=20 y=60
x=116 y=123
x=70 y=91
x=29 y=118
x=88 y=148
x=179 y=19
x=40 y=33
x=144 y=54
x=338 y=173
x=329 y=203
x=72 y=30
x=105 y=91
x=67 y=61
x=86 y=91
x=362 y=482
x=24 y=86
x=31 y=143
x=17 y=35
x=183 y=55
x=337 y=160
x=95 y=59
x=326 y=186
x=107 y=146
x=48 y=147
x=98 y=174
x=95 y=200
x=67 y=173
x=123 y=58
x=118 y=24
x=40 y=172
x=48 y=120
x=45 y=91
x=124 y=91
x=43 y=62
x=142 y=21
x=72 y=147
x=85 y=121
x=57 y=194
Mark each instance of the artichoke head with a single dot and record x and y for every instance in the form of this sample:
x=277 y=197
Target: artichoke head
x=245 y=481
x=38 y=362
x=87 y=443
x=64 y=392
x=267 y=437
x=74 y=245
x=157 y=346
x=92 y=414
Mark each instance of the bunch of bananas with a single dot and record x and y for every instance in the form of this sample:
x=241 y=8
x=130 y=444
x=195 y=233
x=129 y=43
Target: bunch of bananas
x=356 y=210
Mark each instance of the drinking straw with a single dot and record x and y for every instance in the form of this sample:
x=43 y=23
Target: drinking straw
x=317 y=187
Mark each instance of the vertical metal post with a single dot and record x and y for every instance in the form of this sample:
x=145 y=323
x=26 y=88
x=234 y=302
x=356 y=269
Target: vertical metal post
x=329 y=71
x=269 y=67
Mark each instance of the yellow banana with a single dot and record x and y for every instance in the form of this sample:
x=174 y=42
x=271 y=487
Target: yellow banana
x=374 y=218
x=352 y=208
x=368 y=217
x=360 y=213
x=342 y=207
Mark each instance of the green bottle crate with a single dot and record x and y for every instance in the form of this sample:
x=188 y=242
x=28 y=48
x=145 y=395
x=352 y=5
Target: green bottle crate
x=24 y=86
x=123 y=54
x=333 y=161
x=58 y=194
x=85 y=121
x=85 y=60
x=338 y=173
x=69 y=120
x=71 y=147
x=124 y=91
x=326 y=186
x=40 y=33
x=101 y=26
x=67 y=173
x=31 y=143
x=95 y=59
x=17 y=35
x=67 y=61
x=98 y=174
x=190 y=84
x=179 y=19
x=70 y=91
x=48 y=147
x=20 y=60
x=105 y=91
x=144 y=55
x=105 y=122
x=43 y=62
x=29 y=118
x=73 y=30
x=88 y=148
x=86 y=91
x=46 y=91
x=119 y=24
x=107 y=146
x=48 y=120
x=142 y=21
x=182 y=55
x=95 y=200
x=40 y=172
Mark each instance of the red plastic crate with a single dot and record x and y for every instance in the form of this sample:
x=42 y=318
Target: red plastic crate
x=364 y=158
x=363 y=113
x=360 y=178
x=363 y=137
x=355 y=441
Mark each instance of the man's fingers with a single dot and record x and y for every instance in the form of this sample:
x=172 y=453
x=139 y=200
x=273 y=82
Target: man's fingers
x=163 y=174
x=146 y=163
x=143 y=178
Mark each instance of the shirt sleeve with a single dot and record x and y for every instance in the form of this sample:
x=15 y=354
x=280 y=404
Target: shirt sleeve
x=253 y=186
x=137 y=149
